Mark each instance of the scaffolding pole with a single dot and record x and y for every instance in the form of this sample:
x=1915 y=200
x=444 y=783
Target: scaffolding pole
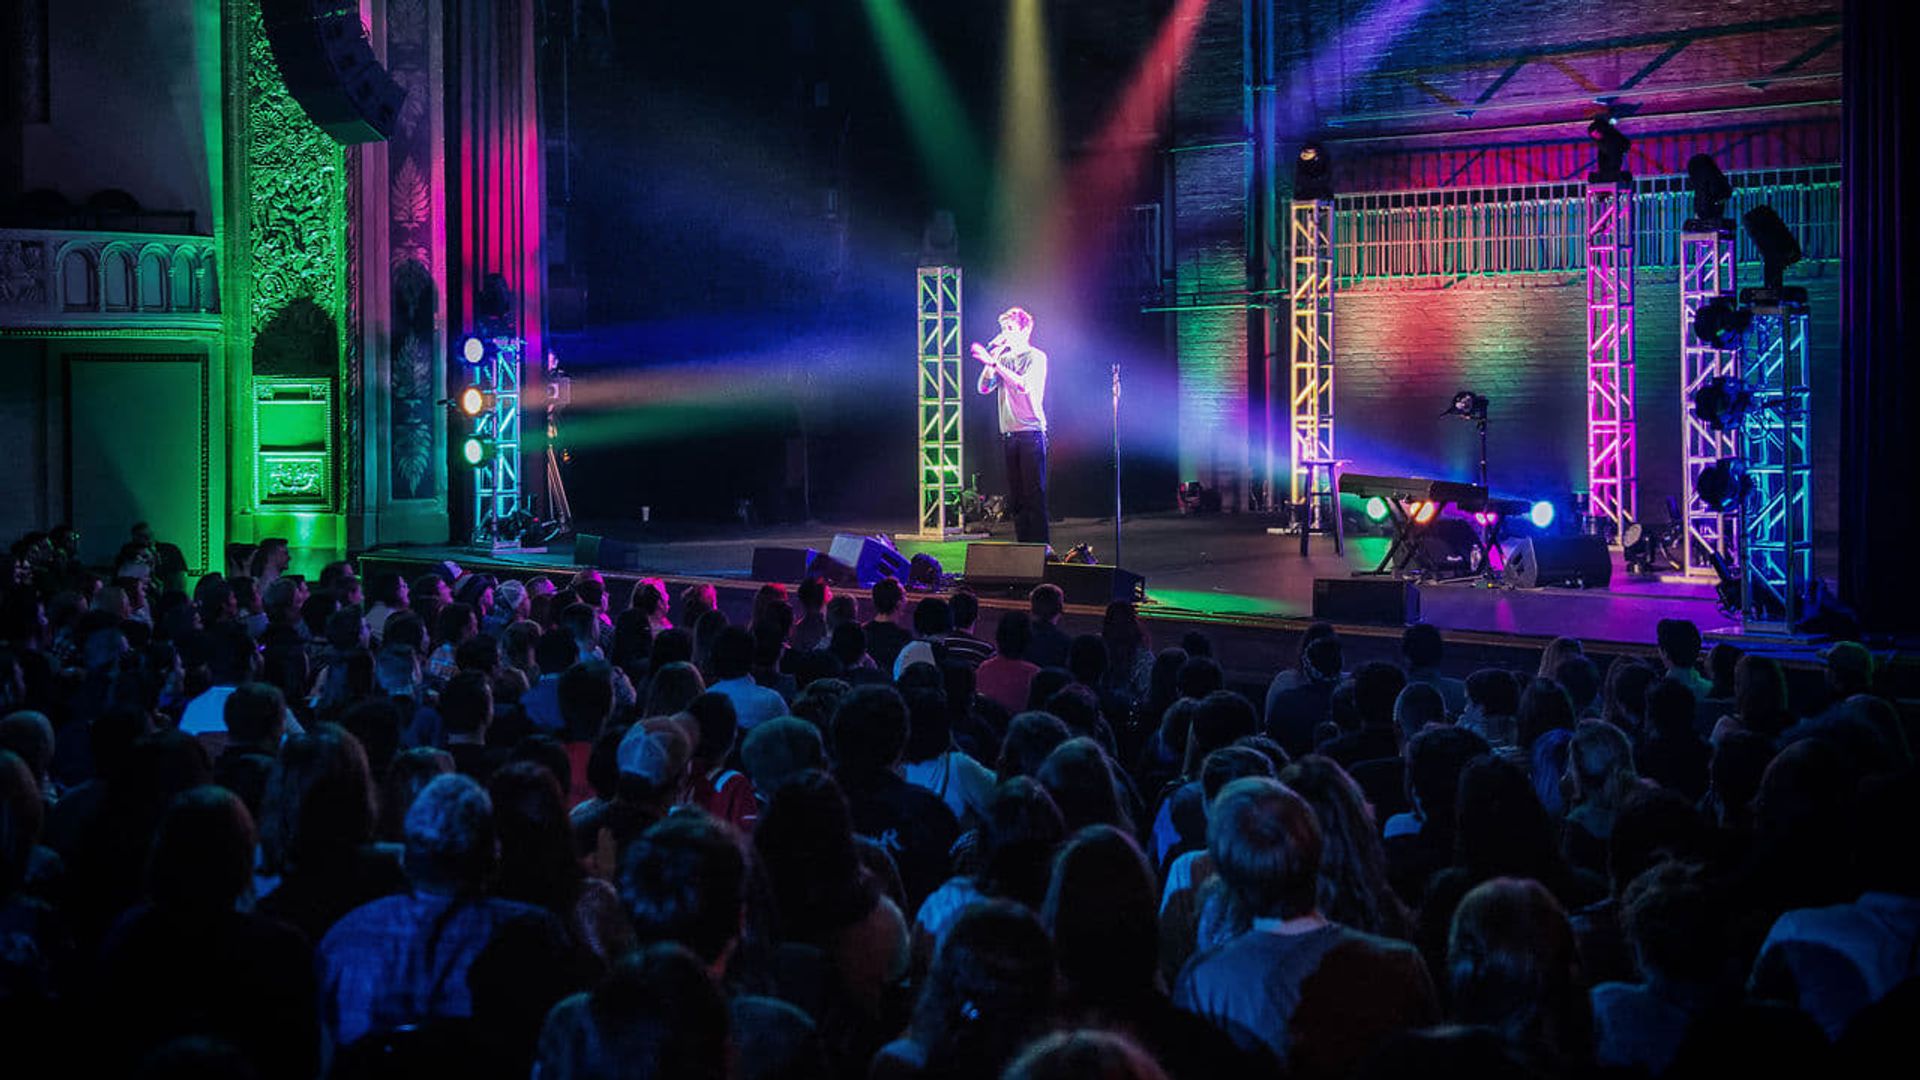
x=941 y=399
x=1707 y=272
x=1777 y=523
x=1310 y=349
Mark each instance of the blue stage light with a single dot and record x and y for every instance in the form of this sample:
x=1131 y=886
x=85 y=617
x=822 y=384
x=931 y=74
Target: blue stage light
x=1541 y=515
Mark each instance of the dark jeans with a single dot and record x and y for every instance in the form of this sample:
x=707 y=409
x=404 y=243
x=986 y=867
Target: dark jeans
x=1027 y=484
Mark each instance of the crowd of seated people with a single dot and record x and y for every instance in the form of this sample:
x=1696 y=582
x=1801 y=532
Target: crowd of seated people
x=254 y=824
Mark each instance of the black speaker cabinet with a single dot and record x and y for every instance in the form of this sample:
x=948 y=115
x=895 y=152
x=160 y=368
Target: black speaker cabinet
x=783 y=564
x=1000 y=565
x=1381 y=601
x=1095 y=586
x=867 y=559
x=605 y=553
x=329 y=68
x=1576 y=561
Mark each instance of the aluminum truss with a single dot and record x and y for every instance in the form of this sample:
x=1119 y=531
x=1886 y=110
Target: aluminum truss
x=496 y=478
x=1707 y=271
x=1777 y=522
x=1612 y=455
x=942 y=394
x=1310 y=251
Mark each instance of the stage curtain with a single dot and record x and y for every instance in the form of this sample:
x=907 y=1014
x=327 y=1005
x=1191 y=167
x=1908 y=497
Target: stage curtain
x=1880 y=402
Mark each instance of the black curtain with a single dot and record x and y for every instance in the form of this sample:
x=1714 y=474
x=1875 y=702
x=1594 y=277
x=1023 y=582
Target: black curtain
x=1880 y=401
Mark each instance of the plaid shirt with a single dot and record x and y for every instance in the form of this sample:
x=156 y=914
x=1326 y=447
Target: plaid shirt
x=403 y=959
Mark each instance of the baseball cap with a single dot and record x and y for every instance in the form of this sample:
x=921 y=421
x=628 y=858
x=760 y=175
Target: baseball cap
x=655 y=751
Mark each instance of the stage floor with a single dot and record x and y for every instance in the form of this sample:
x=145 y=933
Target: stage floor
x=1218 y=567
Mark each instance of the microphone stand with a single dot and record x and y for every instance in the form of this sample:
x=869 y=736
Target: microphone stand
x=1116 y=464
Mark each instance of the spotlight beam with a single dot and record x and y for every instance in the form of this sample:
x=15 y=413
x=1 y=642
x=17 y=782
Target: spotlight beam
x=1028 y=180
x=948 y=147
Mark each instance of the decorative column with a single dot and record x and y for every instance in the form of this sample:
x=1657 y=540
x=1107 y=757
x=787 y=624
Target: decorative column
x=1777 y=519
x=1706 y=271
x=942 y=401
x=1310 y=349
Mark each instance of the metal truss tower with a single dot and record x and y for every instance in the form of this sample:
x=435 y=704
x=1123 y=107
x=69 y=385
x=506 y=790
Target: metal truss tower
x=1310 y=348
x=496 y=477
x=1612 y=454
x=1777 y=522
x=942 y=395
x=1706 y=272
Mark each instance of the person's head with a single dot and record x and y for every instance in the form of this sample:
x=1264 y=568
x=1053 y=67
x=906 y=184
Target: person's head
x=319 y=803
x=653 y=759
x=1030 y=737
x=1849 y=669
x=1760 y=695
x=455 y=624
x=1739 y=760
x=1080 y=779
x=887 y=597
x=869 y=733
x=1221 y=717
x=511 y=601
x=1580 y=678
x=1020 y=830
x=848 y=644
x=1493 y=692
x=1421 y=645
x=1087 y=659
x=466 y=705
x=233 y=658
x=1675 y=921
x=1653 y=824
x=388 y=589
x=805 y=840
x=202 y=856
x=449 y=836
x=685 y=881
x=1376 y=686
x=1544 y=706
x=716 y=725
x=929 y=723
x=1322 y=660
x=989 y=991
x=1084 y=1053
x=1435 y=760
x=1626 y=695
x=1513 y=967
x=1679 y=642
x=779 y=749
x=22 y=815
x=966 y=609
x=1102 y=908
x=1266 y=846
x=347 y=629
x=650 y=597
x=1230 y=763
x=1722 y=660
x=255 y=715
x=1045 y=603
x=555 y=651
x=1600 y=765
x=672 y=688
x=1077 y=707
x=1500 y=827
x=813 y=595
x=1016 y=328
x=1353 y=889
x=1013 y=634
x=732 y=653
x=659 y=1013
x=932 y=617
x=537 y=863
x=1557 y=650
x=585 y=696
x=842 y=610
x=1418 y=707
x=30 y=735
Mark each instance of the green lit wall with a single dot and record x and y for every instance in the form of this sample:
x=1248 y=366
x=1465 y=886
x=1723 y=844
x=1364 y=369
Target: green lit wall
x=287 y=287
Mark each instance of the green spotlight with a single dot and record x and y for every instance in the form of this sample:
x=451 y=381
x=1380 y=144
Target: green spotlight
x=949 y=149
x=1376 y=509
x=477 y=451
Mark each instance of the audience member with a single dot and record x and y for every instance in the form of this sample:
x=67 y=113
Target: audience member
x=1423 y=649
x=1049 y=644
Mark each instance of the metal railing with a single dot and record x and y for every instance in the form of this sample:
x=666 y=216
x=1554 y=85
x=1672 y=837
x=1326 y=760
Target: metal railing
x=1454 y=233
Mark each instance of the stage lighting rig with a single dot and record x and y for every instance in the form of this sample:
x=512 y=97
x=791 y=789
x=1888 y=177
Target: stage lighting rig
x=1611 y=147
x=1724 y=485
x=1721 y=322
x=1711 y=190
x=1312 y=173
x=1722 y=402
x=1778 y=250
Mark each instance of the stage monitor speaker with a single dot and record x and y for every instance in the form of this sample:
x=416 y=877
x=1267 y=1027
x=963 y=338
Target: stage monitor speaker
x=605 y=553
x=1576 y=561
x=329 y=68
x=868 y=559
x=1095 y=586
x=1446 y=548
x=1372 y=600
x=1003 y=565
x=783 y=564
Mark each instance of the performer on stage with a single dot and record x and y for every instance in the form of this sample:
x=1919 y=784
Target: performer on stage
x=1019 y=371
